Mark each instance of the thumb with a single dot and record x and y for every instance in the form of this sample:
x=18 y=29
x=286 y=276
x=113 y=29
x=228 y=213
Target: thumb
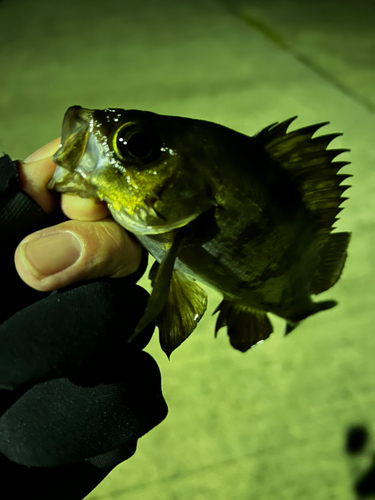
x=75 y=251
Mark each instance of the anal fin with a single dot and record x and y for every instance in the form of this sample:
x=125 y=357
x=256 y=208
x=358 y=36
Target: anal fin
x=246 y=326
x=186 y=304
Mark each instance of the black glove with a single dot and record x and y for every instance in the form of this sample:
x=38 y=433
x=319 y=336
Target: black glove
x=75 y=395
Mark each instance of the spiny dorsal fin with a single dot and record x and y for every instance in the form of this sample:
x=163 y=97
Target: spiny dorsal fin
x=311 y=167
x=275 y=130
x=246 y=326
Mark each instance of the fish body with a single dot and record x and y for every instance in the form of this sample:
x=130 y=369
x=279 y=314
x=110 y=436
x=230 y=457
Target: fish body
x=251 y=217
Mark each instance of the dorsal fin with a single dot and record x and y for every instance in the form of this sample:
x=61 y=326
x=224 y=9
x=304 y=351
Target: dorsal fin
x=275 y=130
x=315 y=174
x=311 y=166
x=332 y=260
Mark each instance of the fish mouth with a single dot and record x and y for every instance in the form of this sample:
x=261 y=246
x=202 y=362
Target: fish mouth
x=142 y=223
x=76 y=129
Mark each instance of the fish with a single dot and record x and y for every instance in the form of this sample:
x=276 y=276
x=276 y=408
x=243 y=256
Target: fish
x=250 y=216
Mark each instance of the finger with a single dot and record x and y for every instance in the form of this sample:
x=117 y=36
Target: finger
x=75 y=251
x=88 y=209
x=34 y=174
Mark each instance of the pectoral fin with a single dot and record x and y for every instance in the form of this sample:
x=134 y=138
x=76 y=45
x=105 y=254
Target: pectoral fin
x=161 y=283
x=182 y=311
x=246 y=326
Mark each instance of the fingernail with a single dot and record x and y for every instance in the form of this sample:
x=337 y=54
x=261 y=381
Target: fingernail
x=52 y=254
x=43 y=152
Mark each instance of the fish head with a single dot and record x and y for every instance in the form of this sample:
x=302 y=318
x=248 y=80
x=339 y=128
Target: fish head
x=145 y=166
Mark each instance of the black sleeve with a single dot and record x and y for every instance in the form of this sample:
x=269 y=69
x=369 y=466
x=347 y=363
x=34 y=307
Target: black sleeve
x=75 y=395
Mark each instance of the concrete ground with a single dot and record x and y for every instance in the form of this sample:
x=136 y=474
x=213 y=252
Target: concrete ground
x=271 y=423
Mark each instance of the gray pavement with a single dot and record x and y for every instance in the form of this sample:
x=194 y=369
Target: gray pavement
x=271 y=423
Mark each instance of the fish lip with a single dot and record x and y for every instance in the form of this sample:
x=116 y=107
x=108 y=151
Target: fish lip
x=74 y=136
x=76 y=128
x=139 y=226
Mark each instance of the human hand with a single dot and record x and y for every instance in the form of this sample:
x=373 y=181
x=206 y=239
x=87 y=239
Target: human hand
x=75 y=396
x=89 y=246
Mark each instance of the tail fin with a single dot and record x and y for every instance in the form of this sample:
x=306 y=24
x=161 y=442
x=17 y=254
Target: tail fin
x=317 y=307
x=324 y=305
x=289 y=327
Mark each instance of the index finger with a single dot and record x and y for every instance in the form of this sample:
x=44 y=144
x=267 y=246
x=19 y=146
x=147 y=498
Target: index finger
x=35 y=172
x=89 y=209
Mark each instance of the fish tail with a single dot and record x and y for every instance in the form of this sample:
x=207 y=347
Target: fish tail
x=324 y=305
x=316 y=307
x=290 y=326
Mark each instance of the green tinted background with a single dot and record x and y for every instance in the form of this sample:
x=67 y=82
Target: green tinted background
x=270 y=423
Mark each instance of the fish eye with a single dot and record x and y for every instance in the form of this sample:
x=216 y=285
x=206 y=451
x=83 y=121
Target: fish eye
x=136 y=142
